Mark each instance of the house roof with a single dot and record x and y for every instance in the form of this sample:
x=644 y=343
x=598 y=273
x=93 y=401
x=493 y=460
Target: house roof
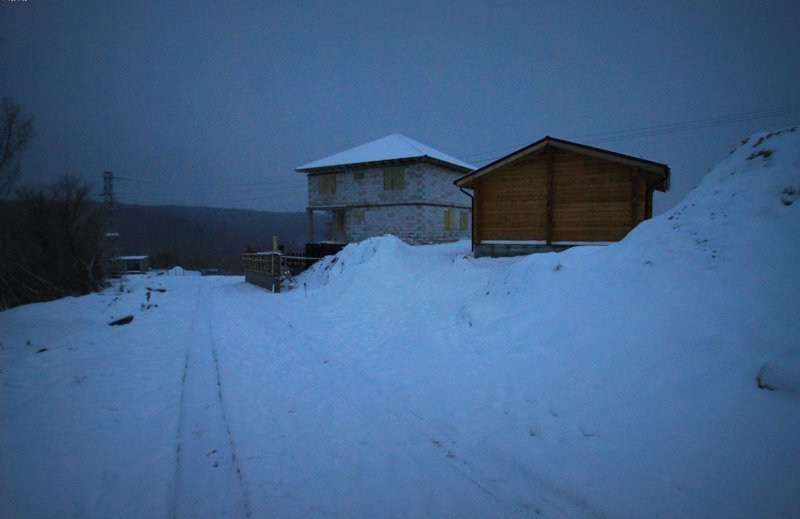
x=391 y=148
x=660 y=172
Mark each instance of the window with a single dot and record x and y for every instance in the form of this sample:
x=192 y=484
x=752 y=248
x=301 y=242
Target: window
x=358 y=175
x=358 y=215
x=463 y=223
x=327 y=184
x=449 y=220
x=394 y=178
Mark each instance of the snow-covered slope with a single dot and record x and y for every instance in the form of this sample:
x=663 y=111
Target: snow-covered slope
x=658 y=376
x=626 y=374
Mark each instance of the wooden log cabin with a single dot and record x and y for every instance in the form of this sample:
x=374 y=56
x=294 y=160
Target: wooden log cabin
x=555 y=194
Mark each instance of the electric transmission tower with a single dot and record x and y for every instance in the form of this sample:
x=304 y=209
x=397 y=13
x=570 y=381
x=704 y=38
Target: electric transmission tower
x=110 y=204
x=109 y=200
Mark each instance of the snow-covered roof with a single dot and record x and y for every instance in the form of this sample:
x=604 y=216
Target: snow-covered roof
x=391 y=147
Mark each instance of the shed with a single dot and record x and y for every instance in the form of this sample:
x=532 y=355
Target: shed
x=133 y=264
x=554 y=194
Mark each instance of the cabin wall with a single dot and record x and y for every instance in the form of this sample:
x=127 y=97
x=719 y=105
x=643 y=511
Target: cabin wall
x=594 y=199
x=558 y=196
x=511 y=204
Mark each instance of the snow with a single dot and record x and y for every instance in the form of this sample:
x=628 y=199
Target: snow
x=542 y=242
x=180 y=271
x=654 y=377
x=391 y=147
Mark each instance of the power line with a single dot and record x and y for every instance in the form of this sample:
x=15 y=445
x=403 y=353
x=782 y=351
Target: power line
x=649 y=131
x=200 y=184
x=181 y=190
x=237 y=192
x=237 y=196
x=691 y=125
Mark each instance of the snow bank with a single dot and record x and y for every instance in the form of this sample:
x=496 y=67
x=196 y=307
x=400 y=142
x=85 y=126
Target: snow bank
x=389 y=254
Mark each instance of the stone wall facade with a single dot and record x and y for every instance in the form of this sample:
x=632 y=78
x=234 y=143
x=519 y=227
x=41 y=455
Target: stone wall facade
x=414 y=224
x=361 y=206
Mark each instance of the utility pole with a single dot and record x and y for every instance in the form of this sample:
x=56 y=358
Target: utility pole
x=110 y=204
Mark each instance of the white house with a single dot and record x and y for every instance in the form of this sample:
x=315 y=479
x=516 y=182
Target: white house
x=394 y=185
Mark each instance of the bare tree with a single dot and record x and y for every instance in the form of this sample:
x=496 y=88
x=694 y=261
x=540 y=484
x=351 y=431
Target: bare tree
x=82 y=223
x=57 y=245
x=16 y=133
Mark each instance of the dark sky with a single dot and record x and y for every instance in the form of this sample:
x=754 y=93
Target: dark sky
x=216 y=103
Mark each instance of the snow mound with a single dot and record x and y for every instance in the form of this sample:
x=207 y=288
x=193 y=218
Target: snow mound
x=746 y=201
x=373 y=255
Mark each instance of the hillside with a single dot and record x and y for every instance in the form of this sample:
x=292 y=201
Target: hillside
x=198 y=237
x=193 y=237
x=656 y=377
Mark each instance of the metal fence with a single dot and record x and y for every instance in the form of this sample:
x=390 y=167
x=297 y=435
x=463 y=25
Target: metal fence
x=273 y=270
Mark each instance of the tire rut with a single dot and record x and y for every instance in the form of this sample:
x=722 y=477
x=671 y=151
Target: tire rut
x=208 y=479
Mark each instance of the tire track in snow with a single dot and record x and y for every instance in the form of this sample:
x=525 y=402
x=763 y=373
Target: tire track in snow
x=382 y=402
x=234 y=456
x=544 y=499
x=208 y=481
x=181 y=421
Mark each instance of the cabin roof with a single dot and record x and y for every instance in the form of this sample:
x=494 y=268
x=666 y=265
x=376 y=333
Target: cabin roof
x=390 y=149
x=662 y=170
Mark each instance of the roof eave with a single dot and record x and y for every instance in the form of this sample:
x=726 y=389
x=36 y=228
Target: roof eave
x=664 y=184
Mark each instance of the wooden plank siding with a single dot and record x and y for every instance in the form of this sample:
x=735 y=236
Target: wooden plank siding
x=592 y=198
x=512 y=204
x=585 y=199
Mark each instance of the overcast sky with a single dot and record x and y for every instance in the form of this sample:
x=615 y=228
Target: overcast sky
x=216 y=103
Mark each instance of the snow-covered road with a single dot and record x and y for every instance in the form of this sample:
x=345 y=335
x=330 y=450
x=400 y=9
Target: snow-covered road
x=208 y=478
x=320 y=436
x=218 y=401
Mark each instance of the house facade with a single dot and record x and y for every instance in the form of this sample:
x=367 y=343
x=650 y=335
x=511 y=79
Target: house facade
x=394 y=185
x=555 y=194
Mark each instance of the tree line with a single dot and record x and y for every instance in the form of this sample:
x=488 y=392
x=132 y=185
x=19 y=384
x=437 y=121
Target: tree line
x=52 y=236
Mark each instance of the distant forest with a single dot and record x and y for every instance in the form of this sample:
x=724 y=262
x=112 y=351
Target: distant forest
x=204 y=237
x=195 y=237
